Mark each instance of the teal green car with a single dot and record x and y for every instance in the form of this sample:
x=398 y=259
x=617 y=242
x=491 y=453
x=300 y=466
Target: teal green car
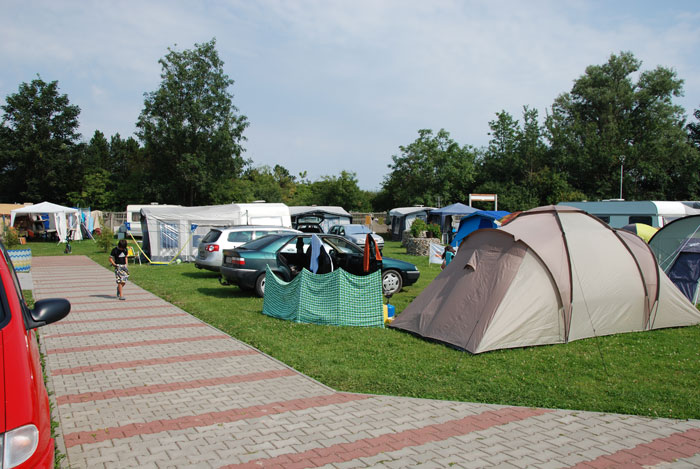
x=245 y=265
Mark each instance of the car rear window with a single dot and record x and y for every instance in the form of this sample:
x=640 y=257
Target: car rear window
x=240 y=236
x=211 y=237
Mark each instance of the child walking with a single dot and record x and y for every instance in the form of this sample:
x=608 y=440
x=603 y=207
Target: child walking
x=119 y=260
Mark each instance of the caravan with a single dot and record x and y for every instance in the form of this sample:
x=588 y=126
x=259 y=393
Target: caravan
x=132 y=223
x=618 y=213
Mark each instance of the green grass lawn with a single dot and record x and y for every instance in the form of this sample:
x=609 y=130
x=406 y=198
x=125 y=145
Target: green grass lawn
x=653 y=373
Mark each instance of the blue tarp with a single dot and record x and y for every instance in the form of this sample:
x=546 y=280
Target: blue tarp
x=458 y=209
x=475 y=221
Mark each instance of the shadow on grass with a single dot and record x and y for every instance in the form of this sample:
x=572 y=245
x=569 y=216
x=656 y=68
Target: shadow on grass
x=201 y=274
x=224 y=292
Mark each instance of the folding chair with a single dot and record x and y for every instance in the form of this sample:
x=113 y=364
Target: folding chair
x=131 y=255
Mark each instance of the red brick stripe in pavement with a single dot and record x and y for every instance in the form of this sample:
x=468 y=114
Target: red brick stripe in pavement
x=395 y=441
x=120 y=306
x=120 y=318
x=151 y=362
x=204 y=420
x=130 y=329
x=142 y=343
x=662 y=450
x=104 y=296
x=174 y=386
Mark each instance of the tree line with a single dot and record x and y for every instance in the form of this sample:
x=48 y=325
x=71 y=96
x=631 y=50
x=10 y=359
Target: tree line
x=190 y=138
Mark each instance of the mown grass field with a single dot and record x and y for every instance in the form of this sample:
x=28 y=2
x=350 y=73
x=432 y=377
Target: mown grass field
x=653 y=373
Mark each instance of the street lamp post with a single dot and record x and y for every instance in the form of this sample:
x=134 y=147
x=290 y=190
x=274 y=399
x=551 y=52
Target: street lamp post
x=622 y=167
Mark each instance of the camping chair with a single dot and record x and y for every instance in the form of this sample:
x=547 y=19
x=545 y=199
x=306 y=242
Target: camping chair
x=131 y=255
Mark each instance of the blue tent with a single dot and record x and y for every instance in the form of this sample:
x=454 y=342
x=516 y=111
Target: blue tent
x=475 y=221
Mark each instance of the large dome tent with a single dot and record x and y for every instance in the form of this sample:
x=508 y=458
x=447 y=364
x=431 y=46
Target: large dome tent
x=551 y=275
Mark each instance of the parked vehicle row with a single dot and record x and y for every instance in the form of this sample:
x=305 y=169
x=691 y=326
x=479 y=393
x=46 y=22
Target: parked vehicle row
x=25 y=420
x=286 y=255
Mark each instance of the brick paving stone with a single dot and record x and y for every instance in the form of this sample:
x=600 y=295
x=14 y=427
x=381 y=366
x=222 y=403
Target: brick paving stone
x=116 y=371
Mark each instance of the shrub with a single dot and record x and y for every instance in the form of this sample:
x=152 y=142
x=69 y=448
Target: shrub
x=417 y=227
x=105 y=240
x=434 y=231
x=10 y=237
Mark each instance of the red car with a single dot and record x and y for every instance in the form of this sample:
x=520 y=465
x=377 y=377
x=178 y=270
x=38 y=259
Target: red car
x=25 y=420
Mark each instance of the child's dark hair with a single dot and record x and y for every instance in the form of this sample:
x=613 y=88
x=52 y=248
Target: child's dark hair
x=122 y=244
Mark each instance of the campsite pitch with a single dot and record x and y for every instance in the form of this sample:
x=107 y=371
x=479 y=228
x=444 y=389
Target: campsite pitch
x=651 y=373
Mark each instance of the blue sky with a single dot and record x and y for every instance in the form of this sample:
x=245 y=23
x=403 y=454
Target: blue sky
x=340 y=85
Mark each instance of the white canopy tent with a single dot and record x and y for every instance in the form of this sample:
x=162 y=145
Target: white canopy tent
x=64 y=220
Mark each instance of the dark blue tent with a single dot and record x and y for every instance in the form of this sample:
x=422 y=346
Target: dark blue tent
x=685 y=271
x=440 y=215
x=475 y=221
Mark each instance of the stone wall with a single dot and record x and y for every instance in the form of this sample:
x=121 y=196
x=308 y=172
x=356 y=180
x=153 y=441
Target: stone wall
x=417 y=246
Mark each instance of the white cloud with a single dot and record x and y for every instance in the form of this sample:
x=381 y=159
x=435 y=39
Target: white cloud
x=332 y=85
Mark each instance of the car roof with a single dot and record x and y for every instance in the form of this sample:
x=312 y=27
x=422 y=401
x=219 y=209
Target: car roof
x=254 y=227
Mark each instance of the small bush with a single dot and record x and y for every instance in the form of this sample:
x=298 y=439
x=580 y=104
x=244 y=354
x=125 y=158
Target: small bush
x=417 y=227
x=10 y=237
x=105 y=240
x=434 y=231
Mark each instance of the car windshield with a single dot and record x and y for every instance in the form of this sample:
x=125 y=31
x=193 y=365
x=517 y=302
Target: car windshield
x=357 y=229
x=342 y=245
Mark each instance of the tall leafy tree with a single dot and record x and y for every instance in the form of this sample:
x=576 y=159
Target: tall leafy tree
x=190 y=128
x=40 y=152
x=516 y=165
x=694 y=130
x=432 y=170
x=609 y=119
x=342 y=191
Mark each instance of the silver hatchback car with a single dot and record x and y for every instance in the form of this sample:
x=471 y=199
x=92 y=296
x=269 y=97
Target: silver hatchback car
x=357 y=234
x=211 y=247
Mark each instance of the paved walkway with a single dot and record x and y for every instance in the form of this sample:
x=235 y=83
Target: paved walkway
x=141 y=383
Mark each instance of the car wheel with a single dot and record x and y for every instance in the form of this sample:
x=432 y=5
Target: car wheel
x=260 y=285
x=391 y=282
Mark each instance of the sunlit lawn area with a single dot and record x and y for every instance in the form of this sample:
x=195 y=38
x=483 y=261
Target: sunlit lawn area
x=651 y=373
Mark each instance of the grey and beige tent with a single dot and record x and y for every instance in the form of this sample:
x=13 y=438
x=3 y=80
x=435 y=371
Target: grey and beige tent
x=552 y=275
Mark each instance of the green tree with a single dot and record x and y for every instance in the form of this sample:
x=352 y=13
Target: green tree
x=609 y=118
x=515 y=165
x=694 y=130
x=130 y=173
x=40 y=152
x=190 y=128
x=342 y=191
x=432 y=170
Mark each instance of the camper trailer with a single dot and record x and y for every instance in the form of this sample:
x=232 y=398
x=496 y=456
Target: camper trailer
x=618 y=213
x=132 y=223
x=402 y=218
